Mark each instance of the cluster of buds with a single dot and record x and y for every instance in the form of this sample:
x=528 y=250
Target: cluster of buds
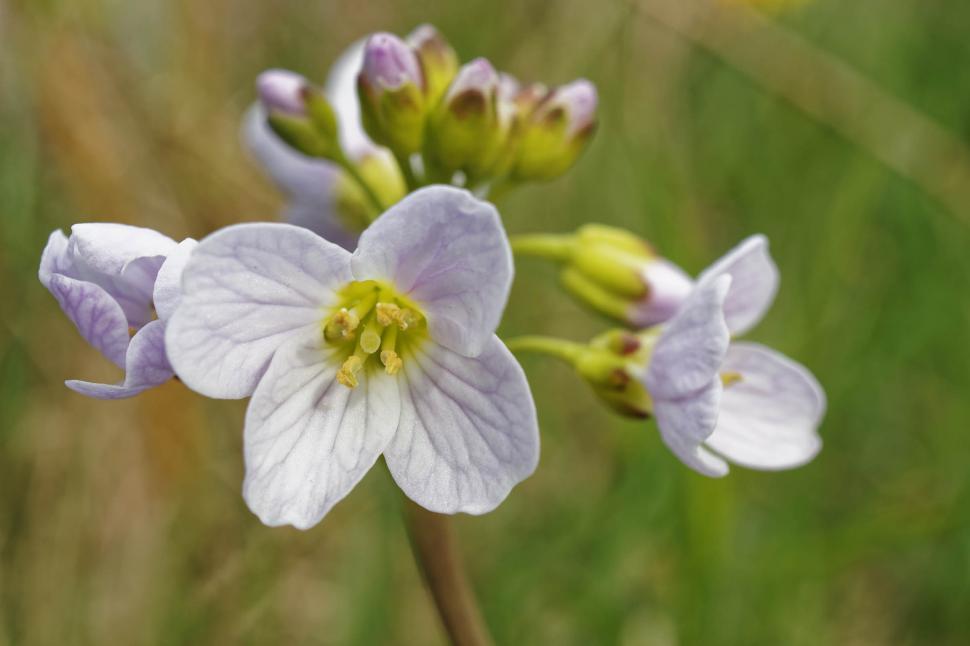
x=469 y=119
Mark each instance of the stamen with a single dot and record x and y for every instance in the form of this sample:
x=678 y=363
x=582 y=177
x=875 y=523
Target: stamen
x=387 y=313
x=341 y=325
x=392 y=362
x=730 y=378
x=347 y=375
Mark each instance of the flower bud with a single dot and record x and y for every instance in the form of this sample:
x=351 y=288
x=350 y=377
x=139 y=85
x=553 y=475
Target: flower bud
x=613 y=364
x=439 y=62
x=390 y=88
x=299 y=113
x=556 y=132
x=467 y=129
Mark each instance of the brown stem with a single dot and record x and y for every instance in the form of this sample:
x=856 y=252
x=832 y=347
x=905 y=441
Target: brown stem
x=435 y=549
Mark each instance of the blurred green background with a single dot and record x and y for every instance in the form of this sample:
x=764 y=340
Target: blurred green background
x=838 y=129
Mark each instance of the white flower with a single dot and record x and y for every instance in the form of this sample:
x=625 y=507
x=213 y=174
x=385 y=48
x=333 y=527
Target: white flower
x=390 y=350
x=110 y=279
x=716 y=401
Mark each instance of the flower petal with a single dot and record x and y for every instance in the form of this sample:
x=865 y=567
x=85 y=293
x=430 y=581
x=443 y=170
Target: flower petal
x=448 y=251
x=769 y=418
x=123 y=260
x=309 y=439
x=468 y=431
x=168 y=283
x=753 y=286
x=146 y=366
x=341 y=91
x=55 y=259
x=96 y=315
x=245 y=291
x=692 y=345
x=685 y=423
x=668 y=287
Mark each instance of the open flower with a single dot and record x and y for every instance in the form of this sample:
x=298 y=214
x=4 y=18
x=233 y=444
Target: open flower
x=390 y=350
x=717 y=401
x=111 y=280
x=321 y=196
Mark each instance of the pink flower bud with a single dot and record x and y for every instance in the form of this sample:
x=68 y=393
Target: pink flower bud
x=282 y=92
x=389 y=64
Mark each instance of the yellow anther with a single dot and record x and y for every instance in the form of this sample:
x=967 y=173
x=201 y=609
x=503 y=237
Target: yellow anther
x=347 y=375
x=392 y=362
x=341 y=325
x=406 y=318
x=730 y=378
x=387 y=313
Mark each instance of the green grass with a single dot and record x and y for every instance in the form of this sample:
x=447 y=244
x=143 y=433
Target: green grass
x=121 y=522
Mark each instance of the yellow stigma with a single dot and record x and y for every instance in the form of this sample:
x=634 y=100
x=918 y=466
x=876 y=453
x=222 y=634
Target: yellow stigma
x=372 y=320
x=730 y=378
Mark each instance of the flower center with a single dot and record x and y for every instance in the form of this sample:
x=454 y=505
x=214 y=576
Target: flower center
x=372 y=325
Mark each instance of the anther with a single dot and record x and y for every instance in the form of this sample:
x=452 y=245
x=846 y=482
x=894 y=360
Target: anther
x=392 y=362
x=341 y=325
x=387 y=313
x=730 y=378
x=347 y=375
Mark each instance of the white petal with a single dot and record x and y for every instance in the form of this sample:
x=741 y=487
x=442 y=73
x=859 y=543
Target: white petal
x=684 y=425
x=246 y=290
x=341 y=91
x=55 y=259
x=96 y=315
x=769 y=418
x=668 y=287
x=168 y=283
x=123 y=260
x=448 y=251
x=309 y=439
x=146 y=366
x=692 y=345
x=468 y=430
x=753 y=286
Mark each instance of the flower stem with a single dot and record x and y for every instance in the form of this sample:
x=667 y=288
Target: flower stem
x=544 y=245
x=568 y=351
x=435 y=549
x=410 y=179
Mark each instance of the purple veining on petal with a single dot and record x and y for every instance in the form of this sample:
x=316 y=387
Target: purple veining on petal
x=96 y=315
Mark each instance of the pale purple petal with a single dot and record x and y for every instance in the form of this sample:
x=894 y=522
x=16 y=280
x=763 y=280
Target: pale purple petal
x=468 y=430
x=246 y=290
x=685 y=423
x=309 y=439
x=448 y=251
x=753 y=286
x=168 y=283
x=668 y=287
x=123 y=260
x=769 y=418
x=146 y=366
x=692 y=346
x=97 y=316
x=55 y=259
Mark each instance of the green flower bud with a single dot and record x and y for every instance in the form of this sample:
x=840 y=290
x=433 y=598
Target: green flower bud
x=391 y=91
x=557 y=131
x=439 y=62
x=299 y=113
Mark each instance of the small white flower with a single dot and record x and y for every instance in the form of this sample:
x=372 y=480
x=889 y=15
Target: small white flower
x=716 y=401
x=110 y=280
x=388 y=351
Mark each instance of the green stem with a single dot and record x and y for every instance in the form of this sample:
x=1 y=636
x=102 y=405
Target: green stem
x=568 y=351
x=435 y=548
x=408 y=172
x=552 y=246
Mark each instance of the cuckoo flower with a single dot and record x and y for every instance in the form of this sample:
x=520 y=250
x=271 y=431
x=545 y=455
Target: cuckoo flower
x=110 y=280
x=390 y=350
x=321 y=196
x=718 y=401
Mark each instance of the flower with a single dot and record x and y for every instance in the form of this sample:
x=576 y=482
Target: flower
x=321 y=196
x=110 y=279
x=717 y=401
x=390 y=350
